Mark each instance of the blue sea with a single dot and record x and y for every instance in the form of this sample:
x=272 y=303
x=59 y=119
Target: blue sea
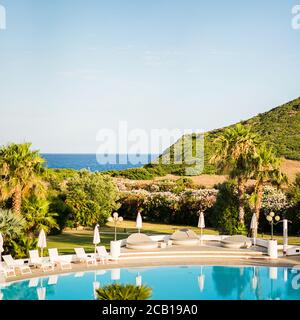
x=95 y=162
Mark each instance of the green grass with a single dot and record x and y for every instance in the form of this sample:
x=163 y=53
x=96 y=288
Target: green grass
x=68 y=240
x=156 y=228
x=293 y=240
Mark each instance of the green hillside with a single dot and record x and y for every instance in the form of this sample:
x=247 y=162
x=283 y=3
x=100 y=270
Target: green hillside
x=279 y=127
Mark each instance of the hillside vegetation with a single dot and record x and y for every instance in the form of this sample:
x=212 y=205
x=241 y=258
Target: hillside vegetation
x=279 y=127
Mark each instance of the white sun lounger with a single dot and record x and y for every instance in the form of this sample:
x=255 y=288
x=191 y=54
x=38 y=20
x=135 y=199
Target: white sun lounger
x=33 y=283
x=16 y=264
x=7 y=271
x=83 y=257
x=52 y=280
x=103 y=255
x=79 y=274
x=185 y=237
x=236 y=242
x=140 y=241
x=56 y=259
x=38 y=262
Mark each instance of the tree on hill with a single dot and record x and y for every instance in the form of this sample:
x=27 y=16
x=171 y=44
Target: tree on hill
x=278 y=128
x=233 y=152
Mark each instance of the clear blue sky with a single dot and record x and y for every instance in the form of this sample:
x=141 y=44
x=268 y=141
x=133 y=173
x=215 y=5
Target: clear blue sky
x=71 y=67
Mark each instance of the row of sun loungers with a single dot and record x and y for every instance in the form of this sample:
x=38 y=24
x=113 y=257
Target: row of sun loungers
x=11 y=267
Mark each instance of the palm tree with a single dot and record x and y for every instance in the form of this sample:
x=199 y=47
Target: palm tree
x=233 y=151
x=124 y=292
x=265 y=170
x=21 y=171
x=37 y=215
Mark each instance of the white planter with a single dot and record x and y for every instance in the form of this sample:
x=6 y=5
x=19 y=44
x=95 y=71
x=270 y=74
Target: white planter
x=115 y=249
x=273 y=249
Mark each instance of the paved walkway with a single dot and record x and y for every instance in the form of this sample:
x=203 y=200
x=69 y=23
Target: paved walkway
x=212 y=247
x=179 y=255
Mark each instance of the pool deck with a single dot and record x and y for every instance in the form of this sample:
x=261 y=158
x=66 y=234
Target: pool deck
x=211 y=254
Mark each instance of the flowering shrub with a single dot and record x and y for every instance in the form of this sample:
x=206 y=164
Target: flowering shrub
x=161 y=206
x=182 y=207
x=166 y=206
x=274 y=200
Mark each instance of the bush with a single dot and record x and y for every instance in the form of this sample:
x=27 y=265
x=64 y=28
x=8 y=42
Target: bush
x=19 y=248
x=225 y=213
x=274 y=200
x=64 y=218
x=91 y=198
x=11 y=224
x=293 y=212
x=133 y=174
x=38 y=216
x=164 y=169
x=161 y=207
x=166 y=207
x=124 y=292
x=131 y=202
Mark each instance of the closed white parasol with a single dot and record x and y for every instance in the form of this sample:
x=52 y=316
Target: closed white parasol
x=139 y=222
x=42 y=242
x=201 y=223
x=96 y=238
x=253 y=227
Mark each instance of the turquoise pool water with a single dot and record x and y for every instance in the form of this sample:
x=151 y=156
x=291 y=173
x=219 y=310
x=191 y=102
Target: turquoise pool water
x=179 y=282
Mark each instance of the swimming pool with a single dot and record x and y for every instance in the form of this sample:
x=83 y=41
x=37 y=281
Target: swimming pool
x=172 y=282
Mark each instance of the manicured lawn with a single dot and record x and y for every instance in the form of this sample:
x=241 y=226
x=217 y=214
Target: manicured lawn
x=68 y=240
x=152 y=228
x=292 y=239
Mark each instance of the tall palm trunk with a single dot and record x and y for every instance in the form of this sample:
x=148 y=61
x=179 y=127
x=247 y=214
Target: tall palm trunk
x=241 y=193
x=17 y=200
x=258 y=202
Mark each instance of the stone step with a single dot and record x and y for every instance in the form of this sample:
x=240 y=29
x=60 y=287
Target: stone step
x=196 y=256
x=191 y=253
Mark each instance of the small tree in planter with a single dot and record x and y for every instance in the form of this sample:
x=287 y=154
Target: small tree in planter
x=115 y=246
x=115 y=219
